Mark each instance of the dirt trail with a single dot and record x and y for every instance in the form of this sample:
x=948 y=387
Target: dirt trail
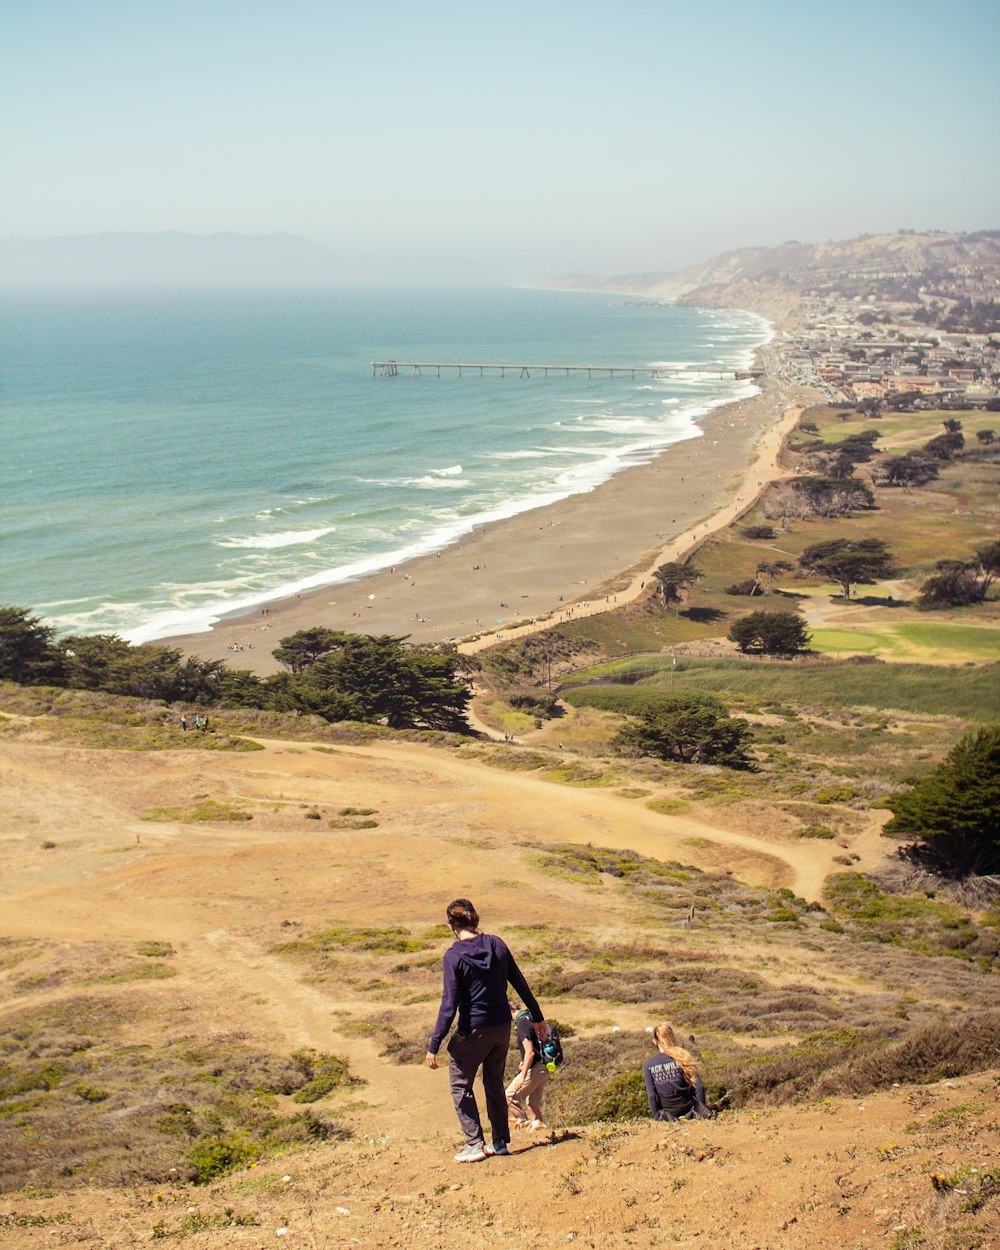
x=567 y=814
x=227 y=968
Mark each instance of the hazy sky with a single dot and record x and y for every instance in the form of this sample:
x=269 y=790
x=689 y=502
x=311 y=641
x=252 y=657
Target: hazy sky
x=509 y=140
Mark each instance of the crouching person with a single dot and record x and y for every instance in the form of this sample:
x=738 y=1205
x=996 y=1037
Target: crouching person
x=673 y=1083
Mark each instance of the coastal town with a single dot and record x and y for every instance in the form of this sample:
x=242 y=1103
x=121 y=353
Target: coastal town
x=903 y=321
x=941 y=348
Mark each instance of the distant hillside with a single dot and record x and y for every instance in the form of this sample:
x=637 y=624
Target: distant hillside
x=772 y=279
x=169 y=258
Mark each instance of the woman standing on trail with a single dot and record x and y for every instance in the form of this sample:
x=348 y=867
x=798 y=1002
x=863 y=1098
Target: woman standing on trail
x=477 y=970
x=673 y=1083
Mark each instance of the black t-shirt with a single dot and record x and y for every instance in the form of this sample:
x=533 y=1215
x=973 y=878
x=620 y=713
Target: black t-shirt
x=524 y=1030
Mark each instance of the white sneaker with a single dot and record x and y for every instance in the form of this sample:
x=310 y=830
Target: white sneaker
x=472 y=1153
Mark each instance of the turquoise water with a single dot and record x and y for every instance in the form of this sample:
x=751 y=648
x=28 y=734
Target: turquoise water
x=168 y=458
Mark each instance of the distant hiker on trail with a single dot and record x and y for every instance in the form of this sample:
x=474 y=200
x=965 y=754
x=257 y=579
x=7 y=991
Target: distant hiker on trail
x=184 y=723
x=673 y=1083
x=477 y=969
x=524 y=1093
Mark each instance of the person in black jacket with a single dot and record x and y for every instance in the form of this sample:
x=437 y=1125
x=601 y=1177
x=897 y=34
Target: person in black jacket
x=477 y=970
x=673 y=1083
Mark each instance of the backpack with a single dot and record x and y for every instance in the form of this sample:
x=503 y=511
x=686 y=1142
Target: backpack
x=551 y=1050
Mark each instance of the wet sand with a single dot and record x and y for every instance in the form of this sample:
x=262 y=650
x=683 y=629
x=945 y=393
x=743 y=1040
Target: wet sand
x=535 y=565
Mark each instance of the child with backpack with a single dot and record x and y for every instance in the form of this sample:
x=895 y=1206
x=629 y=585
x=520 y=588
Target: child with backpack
x=538 y=1061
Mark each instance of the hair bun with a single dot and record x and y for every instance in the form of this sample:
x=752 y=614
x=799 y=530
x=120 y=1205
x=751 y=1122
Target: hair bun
x=462 y=914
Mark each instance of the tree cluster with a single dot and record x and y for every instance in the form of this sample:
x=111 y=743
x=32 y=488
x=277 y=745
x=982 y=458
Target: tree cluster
x=810 y=495
x=838 y=460
x=338 y=676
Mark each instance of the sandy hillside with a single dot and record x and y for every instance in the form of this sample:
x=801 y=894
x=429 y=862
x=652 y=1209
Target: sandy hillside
x=100 y=851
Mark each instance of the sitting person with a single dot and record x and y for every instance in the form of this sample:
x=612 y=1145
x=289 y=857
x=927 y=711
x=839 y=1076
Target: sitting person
x=673 y=1084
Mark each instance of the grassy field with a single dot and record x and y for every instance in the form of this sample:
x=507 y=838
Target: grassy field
x=948 y=643
x=971 y=693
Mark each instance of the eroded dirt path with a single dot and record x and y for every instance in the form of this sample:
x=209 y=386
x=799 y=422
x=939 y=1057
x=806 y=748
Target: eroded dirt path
x=229 y=970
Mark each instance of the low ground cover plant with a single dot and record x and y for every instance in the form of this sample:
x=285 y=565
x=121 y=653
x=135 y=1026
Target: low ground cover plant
x=80 y=1104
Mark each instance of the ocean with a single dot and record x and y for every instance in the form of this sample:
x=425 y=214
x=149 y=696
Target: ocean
x=171 y=457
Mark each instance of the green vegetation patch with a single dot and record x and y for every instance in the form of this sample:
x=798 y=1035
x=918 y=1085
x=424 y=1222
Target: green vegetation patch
x=209 y=810
x=637 y=700
x=142 y=971
x=671 y=807
x=104 y=1111
x=912 y=640
x=395 y=940
x=325 y=1073
x=201 y=1221
x=911 y=920
x=591 y=860
x=816 y=831
x=969 y=693
x=978 y=1185
x=576 y=773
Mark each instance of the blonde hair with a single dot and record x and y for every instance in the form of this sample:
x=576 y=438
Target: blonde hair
x=665 y=1039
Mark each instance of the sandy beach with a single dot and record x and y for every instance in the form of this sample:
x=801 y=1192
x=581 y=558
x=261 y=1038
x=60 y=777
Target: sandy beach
x=539 y=563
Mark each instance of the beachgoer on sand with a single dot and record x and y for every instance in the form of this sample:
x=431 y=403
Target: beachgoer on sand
x=526 y=1090
x=477 y=970
x=673 y=1083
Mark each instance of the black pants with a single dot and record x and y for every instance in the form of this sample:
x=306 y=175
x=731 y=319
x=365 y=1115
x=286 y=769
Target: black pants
x=486 y=1049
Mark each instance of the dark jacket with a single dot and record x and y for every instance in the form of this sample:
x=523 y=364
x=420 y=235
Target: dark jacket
x=476 y=974
x=670 y=1093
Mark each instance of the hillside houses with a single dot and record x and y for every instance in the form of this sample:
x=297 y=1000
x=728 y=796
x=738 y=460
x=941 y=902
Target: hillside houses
x=858 y=351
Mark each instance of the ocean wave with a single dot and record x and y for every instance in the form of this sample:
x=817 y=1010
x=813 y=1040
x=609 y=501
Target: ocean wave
x=270 y=542
x=529 y=453
x=454 y=471
x=436 y=483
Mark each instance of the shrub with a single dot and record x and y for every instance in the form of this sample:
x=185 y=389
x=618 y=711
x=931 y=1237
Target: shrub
x=326 y=1073
x=537 y=701
x=621 y=1098
x=816 y=831
x=211 y=1157
x=90 y=1093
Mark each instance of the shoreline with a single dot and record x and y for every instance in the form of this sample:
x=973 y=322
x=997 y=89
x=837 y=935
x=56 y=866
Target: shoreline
x=476 y=588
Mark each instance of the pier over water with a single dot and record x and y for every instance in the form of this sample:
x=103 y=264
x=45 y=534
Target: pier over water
x=391 y=369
